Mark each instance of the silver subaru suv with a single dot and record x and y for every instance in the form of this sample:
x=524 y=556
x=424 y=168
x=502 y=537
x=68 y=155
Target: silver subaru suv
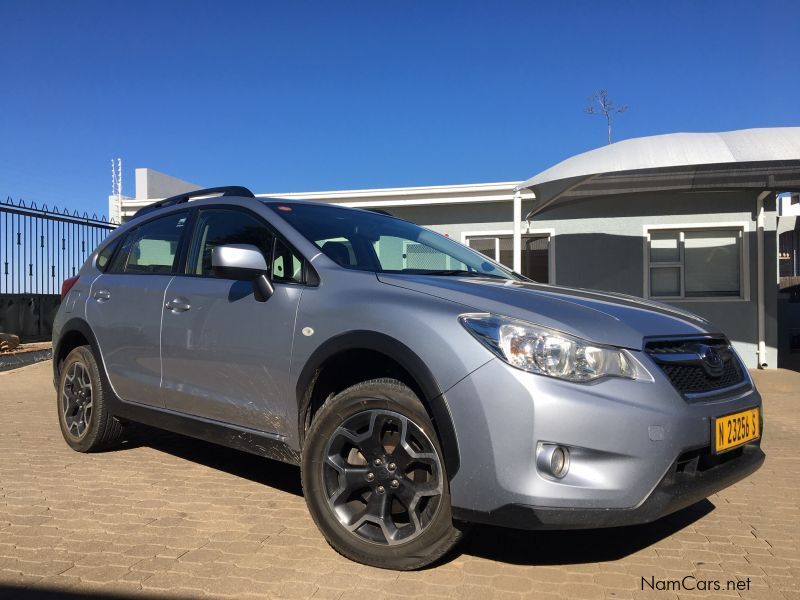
x=419 y=385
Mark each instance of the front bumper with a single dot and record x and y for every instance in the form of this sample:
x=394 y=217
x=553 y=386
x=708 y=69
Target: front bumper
x=632 y=446
x=677 y=490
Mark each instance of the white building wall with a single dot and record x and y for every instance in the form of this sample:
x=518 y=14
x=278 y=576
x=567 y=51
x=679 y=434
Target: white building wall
x=789 y=205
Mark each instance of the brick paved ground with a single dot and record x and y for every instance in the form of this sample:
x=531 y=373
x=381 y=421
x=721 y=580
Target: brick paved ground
x=173 y=517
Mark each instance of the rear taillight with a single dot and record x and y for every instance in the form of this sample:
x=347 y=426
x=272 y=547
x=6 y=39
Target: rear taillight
x=67 y=286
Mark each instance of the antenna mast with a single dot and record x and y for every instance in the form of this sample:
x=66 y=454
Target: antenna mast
x=116 y=184
x=113 y=179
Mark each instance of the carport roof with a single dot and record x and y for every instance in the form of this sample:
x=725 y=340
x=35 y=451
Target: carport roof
x=765 y=159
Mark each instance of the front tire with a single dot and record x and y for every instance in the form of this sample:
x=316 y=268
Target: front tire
x=374 y=479
x=83 y=407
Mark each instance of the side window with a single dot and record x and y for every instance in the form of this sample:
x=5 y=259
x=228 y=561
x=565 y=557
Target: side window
x=217 y=227
x=151 y=247
x=287 y=267
x=106 y=253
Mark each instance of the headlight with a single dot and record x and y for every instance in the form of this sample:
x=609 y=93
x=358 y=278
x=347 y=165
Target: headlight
x=547 y=352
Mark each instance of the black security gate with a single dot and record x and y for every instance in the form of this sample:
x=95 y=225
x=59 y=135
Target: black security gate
x=39 y=249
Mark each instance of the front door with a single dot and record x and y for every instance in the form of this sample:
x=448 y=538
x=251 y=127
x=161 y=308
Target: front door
x=225 y=355
x=124 y=307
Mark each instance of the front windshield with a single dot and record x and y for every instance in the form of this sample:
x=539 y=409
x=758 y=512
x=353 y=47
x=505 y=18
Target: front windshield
x=367 y=241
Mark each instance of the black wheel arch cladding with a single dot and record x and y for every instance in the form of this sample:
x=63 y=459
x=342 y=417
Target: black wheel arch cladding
x=433 y=399
x=76 y=325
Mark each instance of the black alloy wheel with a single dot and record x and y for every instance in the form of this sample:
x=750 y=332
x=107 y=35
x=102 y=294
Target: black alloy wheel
x=76 y=400
x=374 y=479
x=84 y=401
x=383 y=477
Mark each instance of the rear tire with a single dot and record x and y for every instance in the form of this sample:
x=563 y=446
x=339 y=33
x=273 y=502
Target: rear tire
x=374 y=479
x=83 y=404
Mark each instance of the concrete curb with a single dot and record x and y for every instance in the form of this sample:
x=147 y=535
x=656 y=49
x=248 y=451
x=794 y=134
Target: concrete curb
x=23 y=359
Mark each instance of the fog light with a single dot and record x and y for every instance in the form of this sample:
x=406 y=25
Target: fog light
x=552 y=460
x=558 y=461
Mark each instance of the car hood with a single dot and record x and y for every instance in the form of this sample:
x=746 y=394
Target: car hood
x=600 y=317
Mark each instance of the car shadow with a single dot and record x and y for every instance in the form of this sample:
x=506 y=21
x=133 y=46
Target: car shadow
x=35 y=592
x=575 y=546
x=494 y=543
x=254 y=468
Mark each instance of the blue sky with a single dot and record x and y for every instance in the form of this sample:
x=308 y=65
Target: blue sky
x=300 y=96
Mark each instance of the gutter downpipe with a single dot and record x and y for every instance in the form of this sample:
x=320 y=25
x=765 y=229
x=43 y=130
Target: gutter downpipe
x=517 y=247
x=760 y=220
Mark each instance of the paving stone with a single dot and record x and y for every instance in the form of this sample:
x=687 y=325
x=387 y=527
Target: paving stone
x=170 y=517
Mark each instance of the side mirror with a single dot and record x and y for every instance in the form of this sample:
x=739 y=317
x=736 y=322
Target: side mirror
x=243 y=262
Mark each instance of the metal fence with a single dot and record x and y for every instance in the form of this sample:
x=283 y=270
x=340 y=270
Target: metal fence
x=41 y=247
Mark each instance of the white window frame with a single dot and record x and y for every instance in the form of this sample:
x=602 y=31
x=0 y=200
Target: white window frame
x=489 y=233
x=744 y=259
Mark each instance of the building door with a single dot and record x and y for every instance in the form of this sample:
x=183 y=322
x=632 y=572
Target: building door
x=789 y=299
x=536 y=258
x=535 y=252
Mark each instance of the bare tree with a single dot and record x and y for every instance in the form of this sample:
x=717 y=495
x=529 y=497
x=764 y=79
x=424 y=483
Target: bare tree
x=605 y=107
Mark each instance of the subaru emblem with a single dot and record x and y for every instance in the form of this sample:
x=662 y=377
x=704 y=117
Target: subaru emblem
x=712 y=360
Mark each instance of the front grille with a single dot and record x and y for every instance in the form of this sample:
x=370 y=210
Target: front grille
x=694 y=380
x=683 y=364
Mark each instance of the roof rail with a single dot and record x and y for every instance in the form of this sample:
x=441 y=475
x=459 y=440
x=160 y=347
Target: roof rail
x=228 y=190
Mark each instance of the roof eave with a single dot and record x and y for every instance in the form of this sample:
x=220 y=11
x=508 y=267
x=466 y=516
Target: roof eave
x=781 y=175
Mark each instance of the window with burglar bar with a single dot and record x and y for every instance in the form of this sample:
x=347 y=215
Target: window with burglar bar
x=695 y=263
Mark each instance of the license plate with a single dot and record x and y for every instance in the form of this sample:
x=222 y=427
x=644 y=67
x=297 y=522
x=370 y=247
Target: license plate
x=736 y=429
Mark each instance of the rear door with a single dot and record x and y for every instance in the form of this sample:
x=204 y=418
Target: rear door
x=124 y=306
x=226 y=356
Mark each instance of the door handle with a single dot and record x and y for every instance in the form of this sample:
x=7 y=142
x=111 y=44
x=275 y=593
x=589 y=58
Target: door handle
x=102 y=295
x=178 y=305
